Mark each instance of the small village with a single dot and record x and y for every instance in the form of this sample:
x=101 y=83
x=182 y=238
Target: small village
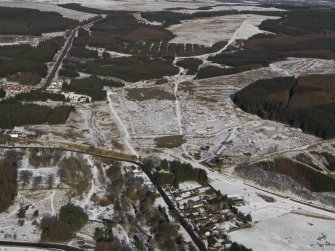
x=12 y=89
x=209 y=214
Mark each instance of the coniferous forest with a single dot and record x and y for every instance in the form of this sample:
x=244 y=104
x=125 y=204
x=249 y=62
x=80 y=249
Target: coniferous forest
x=306 y=102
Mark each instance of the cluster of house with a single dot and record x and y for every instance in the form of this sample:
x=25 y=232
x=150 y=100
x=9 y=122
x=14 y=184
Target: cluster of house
x=11 y=133
x=13 y=89
x=210 y=215
x=77 y=98
x=56 y=87
x=16 y=133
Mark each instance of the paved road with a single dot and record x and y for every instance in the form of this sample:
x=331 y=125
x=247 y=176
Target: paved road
x=78 y=148
x=43 y=245
x=65 y=50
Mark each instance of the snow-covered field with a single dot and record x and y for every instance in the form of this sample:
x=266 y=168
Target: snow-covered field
x=207 y=31
x=129 y=5
x=183 y=6
x=279 y=225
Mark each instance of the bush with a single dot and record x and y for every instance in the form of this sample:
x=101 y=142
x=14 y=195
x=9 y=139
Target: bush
x=191 y=64
x=75 y=173
x=73 y=215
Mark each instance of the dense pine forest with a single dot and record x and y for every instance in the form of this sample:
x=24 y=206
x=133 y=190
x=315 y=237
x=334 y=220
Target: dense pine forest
x=17 y=114
x=20 y=21
x=306 y=102
x=27 y=59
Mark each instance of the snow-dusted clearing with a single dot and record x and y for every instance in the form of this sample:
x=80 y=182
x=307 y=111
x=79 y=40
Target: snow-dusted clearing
x=6 y=40
x=228 y=6
x=47 y=6
x=207 y=31
x=304 y=66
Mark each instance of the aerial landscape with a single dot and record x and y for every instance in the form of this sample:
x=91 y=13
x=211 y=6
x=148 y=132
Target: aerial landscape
x=167 y=125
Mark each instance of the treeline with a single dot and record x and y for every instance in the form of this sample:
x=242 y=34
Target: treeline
x=282 y=99
x=299 y=22
x=20 y=21
x=131 y=69
x=69 y=68
x=309 y=178
x=91 y=86
x=34 y=95
x=191 y=64
x=17 y=114
x=82 y=38
x=79 y=49
x=8 y=181
x=80 y=52
x=2 y=93
x=174 y=172
x=25 y=58
x=247 y=57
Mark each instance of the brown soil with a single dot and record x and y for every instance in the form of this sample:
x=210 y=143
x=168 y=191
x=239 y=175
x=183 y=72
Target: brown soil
x=169 y=141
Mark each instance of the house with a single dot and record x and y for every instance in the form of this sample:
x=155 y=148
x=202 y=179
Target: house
x=14 y=134
x=216 y=218
x=196 y=204
x=135 y=170
x=213 y=242
x=236 y=199
x=201 y=222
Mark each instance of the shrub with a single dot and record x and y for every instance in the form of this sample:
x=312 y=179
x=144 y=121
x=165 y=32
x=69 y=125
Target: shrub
x=73 y=215
x=55 y=230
